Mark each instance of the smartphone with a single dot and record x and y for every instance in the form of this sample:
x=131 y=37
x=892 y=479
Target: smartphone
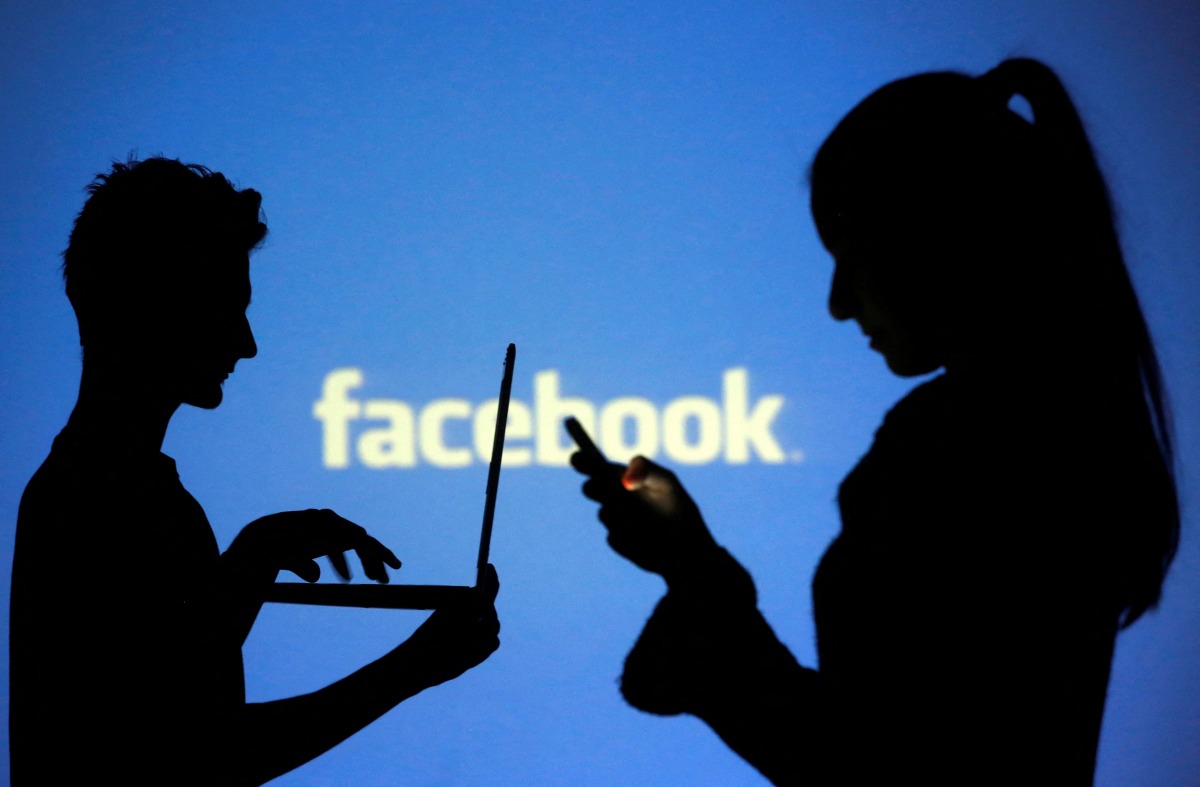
x=585 y=443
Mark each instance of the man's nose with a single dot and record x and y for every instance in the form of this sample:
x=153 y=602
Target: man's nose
x=248 y=348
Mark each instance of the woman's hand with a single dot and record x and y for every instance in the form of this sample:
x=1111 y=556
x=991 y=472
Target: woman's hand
x=651 y=519
x=292 y=540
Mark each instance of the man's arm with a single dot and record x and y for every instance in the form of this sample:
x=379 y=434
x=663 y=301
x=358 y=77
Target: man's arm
x=281 y=735
x=291 y=540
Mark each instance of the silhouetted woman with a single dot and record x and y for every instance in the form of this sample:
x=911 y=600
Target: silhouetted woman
x=1012 y=514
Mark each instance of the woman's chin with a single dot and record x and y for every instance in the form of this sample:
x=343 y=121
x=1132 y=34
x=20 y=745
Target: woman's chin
x=906 y=365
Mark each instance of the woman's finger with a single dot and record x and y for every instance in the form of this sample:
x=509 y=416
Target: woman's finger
x=602 y=490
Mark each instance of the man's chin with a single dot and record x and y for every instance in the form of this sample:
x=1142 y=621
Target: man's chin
x=207 y=399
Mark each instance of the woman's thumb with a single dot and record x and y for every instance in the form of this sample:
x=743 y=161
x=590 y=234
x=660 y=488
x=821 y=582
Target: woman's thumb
x=654 y=484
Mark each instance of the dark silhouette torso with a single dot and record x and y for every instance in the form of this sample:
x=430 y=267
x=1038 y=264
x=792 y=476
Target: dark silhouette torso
x=120 y=666
x=965 y=615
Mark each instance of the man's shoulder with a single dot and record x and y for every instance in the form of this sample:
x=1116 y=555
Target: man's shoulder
x=81 y=483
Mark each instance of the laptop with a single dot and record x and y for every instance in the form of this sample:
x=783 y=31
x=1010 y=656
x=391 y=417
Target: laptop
x=401 y=596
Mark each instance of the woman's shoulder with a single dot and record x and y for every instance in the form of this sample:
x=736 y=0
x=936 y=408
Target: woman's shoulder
x=955 y=443
x=986 y=411
x=1013 y=442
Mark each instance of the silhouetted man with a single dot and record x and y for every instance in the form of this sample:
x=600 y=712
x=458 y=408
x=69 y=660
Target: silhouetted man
x=127 y=622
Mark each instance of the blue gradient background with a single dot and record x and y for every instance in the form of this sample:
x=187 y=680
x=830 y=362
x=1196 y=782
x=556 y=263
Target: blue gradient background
x=617 y=188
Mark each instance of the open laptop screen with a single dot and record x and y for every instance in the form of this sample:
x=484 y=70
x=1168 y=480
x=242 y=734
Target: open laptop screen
x=401 y=596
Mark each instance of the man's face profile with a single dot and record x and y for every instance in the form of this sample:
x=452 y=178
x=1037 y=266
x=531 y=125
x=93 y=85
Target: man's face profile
x=197 y=340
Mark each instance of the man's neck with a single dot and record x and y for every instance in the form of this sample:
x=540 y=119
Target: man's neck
x=123 y=403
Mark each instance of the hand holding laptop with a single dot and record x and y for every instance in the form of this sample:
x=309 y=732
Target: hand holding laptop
x=459 y=635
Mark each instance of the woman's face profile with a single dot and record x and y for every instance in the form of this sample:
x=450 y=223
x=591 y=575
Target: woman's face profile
x=898 y=207
x=877 y=285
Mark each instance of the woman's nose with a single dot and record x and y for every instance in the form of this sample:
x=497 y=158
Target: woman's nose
x=842 y=304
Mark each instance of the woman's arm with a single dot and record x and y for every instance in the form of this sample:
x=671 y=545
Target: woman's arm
x=707 y=650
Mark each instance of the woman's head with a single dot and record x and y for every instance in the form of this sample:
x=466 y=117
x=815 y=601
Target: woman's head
x=974 y=223
x=965 y=234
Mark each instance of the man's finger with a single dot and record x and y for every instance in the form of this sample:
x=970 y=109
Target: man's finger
x=491 y=583
x=308 y=570
x=338 y=560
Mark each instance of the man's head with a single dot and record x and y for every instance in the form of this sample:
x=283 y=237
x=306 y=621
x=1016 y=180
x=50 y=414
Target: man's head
x=157 y=271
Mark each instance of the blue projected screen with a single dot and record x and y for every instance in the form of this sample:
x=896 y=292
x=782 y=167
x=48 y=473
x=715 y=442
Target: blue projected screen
x=618 y=189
